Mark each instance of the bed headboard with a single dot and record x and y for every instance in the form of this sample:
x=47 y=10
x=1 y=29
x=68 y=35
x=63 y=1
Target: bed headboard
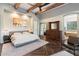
x=12 y=32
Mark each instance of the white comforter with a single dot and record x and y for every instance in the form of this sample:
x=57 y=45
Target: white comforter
x=19 y=39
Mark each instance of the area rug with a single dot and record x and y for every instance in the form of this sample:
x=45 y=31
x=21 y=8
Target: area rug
x=62 y=53
x=9 y=50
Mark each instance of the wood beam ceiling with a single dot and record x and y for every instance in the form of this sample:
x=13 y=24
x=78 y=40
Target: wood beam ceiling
x=54 y=5
x=17 y=5
x=35 y=6
x=50 y=7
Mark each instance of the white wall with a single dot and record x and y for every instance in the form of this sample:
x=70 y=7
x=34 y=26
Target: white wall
x=6 y=21
x=70 y=17
x=36 y=24
x=58 y=13
x=57 y=18
x=0 y=28
x=66 y=8
x=78 y=24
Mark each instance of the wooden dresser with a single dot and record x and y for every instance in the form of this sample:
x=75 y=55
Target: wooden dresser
x=53 y=34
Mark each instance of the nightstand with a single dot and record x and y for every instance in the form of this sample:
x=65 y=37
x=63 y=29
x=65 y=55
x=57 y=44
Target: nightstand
x=6 y=39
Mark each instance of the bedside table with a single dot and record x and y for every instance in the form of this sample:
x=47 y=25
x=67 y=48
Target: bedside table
x=6 y=39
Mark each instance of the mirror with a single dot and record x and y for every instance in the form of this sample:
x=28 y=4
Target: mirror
x=53 y=26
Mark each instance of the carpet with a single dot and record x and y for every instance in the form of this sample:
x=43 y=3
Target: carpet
x=9 y=50
x=62 y=53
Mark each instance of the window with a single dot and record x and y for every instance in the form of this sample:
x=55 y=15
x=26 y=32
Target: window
x=70 y=22
x=72 y=25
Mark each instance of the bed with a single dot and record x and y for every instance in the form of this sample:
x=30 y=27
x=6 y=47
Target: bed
x=22 y=43
x=19 y=38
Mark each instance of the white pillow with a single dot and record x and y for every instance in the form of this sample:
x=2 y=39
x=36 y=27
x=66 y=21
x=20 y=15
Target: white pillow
x=15 y=36
x=20 y=39
x=26 y=33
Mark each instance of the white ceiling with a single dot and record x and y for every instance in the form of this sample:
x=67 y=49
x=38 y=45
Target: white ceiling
x=25 y=6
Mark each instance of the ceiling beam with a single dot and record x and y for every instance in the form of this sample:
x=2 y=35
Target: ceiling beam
x=30 y=4
x=50 y=7
x=34 y=6
x=17 y=5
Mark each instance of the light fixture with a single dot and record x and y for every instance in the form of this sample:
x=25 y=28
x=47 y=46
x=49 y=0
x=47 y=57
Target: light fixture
x=15 y=15
x=25 y=17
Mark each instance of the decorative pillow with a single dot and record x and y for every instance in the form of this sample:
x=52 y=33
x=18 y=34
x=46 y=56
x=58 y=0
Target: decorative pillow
x=20 y=39
x=12 y=38
x=27 y=33
x=15 y=36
